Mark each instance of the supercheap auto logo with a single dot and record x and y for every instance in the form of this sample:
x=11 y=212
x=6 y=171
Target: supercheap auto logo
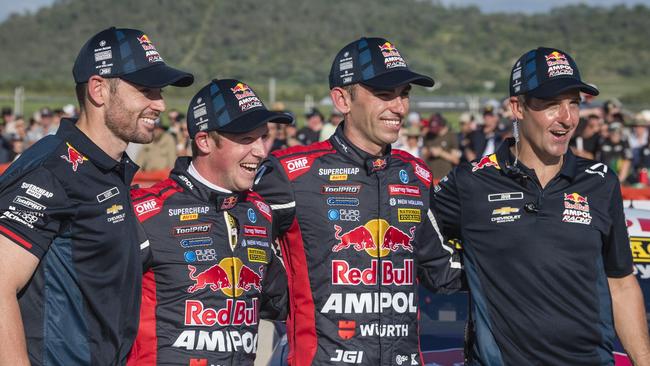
x=230 y=276
x=368 y=236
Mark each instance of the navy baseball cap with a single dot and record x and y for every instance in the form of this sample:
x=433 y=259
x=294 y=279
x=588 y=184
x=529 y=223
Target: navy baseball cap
x=228 y=105
x=545 y=73
x=374 y=62
x=127 y=54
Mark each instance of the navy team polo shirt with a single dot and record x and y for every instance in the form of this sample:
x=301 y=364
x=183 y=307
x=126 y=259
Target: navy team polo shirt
x=537 y=259
x=67 y=202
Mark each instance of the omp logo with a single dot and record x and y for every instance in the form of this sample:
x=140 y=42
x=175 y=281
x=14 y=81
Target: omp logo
x=146 y=206
x=297 y=164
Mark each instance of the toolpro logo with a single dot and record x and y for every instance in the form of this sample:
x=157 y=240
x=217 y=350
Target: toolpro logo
x=74 y=157
x=230 y=276
x=486 y=161
x=242 y=91
x=368 y=236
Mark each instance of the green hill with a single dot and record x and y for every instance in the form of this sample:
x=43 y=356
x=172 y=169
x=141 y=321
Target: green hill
x=295 y=41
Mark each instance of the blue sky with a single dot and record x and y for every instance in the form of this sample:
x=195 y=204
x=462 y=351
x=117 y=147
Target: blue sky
x=527 y=6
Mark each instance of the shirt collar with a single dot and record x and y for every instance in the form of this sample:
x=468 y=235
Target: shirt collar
x=202 y=188
x=370 y=162
x=506 y=161
x=72 y=135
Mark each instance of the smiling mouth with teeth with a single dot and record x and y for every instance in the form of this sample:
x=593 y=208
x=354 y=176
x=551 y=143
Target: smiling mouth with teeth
x=251 y=167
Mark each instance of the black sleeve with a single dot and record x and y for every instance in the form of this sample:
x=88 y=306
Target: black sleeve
x=446 y=203
x=274 y=186
x=146 y=253
x=274 y=299
x=32 y=206
x=438 y=265
x=617 y=255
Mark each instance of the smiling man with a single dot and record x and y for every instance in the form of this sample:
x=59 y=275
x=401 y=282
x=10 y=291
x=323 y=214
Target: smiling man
x=354 y=222
x=69 y=250
x=545 y=244
x=210 y=268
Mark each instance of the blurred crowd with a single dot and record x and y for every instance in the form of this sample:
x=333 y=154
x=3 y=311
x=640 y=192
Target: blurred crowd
x=606 y=133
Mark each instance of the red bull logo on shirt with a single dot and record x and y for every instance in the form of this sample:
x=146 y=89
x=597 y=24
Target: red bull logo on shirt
x=74 y=157
x=576 y=209
x=368 y=236
x=486 y=161
x=230 y=276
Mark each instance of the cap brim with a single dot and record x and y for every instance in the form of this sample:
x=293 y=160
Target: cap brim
x=558 y=86
x=159 y=76
x=254 y=119
x=396 y=78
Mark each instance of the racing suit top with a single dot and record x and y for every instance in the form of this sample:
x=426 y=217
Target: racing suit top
x=66 y=202
x=356 y=234
x=537 y=259
x=210 y=273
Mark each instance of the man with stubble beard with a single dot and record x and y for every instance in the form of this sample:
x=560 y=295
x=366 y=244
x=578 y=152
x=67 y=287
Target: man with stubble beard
x=69 y=250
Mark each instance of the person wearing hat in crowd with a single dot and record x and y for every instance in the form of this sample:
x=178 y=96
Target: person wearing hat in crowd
x=615 y=152
x=69 y=244
x=160 y=154
x=440 y=151
x=353 y=219
x=311 y=132
x=225 y=264
x=485 y=139
x=336 y=117
x=545 y=244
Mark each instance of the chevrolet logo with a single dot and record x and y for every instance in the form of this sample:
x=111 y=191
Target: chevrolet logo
x=114 y=209
x=505 y=211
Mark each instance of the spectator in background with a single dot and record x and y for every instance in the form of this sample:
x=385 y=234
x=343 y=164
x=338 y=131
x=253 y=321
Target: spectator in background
x=612 y=110
x=70 y=111
x=485 y=139
x=413 y=142
x=466 y=126
x=7 y=115
x=637 y=137
x=328 y=130
x=160 y=154
x=440 y=151
x=587 y=139
x=47 y=125
x=616 y=152
x=311 y=132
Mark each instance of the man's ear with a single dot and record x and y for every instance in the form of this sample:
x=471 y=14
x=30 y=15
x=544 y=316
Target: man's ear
x=202 y=142
x=517 y=108
x=99 y=90
x=341 y=99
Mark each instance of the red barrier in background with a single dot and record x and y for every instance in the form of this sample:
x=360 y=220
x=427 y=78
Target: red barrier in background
x=146 y=179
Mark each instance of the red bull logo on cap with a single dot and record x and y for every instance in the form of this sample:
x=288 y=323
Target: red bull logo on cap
x=230 y=276
x=74 y=157
x=392 y=58
x=242 y=90
x=555 y=57
x=144 y=39
x=486 y=161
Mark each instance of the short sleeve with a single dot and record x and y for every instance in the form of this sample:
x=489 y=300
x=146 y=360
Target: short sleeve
x=32 y=206
x=446 y=204
x=617 y=255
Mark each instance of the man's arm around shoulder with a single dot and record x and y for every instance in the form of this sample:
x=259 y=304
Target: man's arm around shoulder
x=16 y=268
x=630 y=318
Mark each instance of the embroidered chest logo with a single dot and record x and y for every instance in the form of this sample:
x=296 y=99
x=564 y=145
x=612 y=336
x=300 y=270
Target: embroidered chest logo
x=74 y=157
x=576 y=209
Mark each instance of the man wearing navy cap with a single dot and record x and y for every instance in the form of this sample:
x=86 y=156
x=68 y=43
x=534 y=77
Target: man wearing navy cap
x=354 y=222
x=69 y=250
x=546 y=249
x=210 y=269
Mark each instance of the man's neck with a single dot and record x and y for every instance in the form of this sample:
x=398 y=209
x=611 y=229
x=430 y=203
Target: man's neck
x=545 y=169
x=95 y=129
x=363 y=144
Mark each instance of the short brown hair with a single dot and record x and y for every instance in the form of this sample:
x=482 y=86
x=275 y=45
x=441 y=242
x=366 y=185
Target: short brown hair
x=351 y=89
x=81 y=90
x=214 y=135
